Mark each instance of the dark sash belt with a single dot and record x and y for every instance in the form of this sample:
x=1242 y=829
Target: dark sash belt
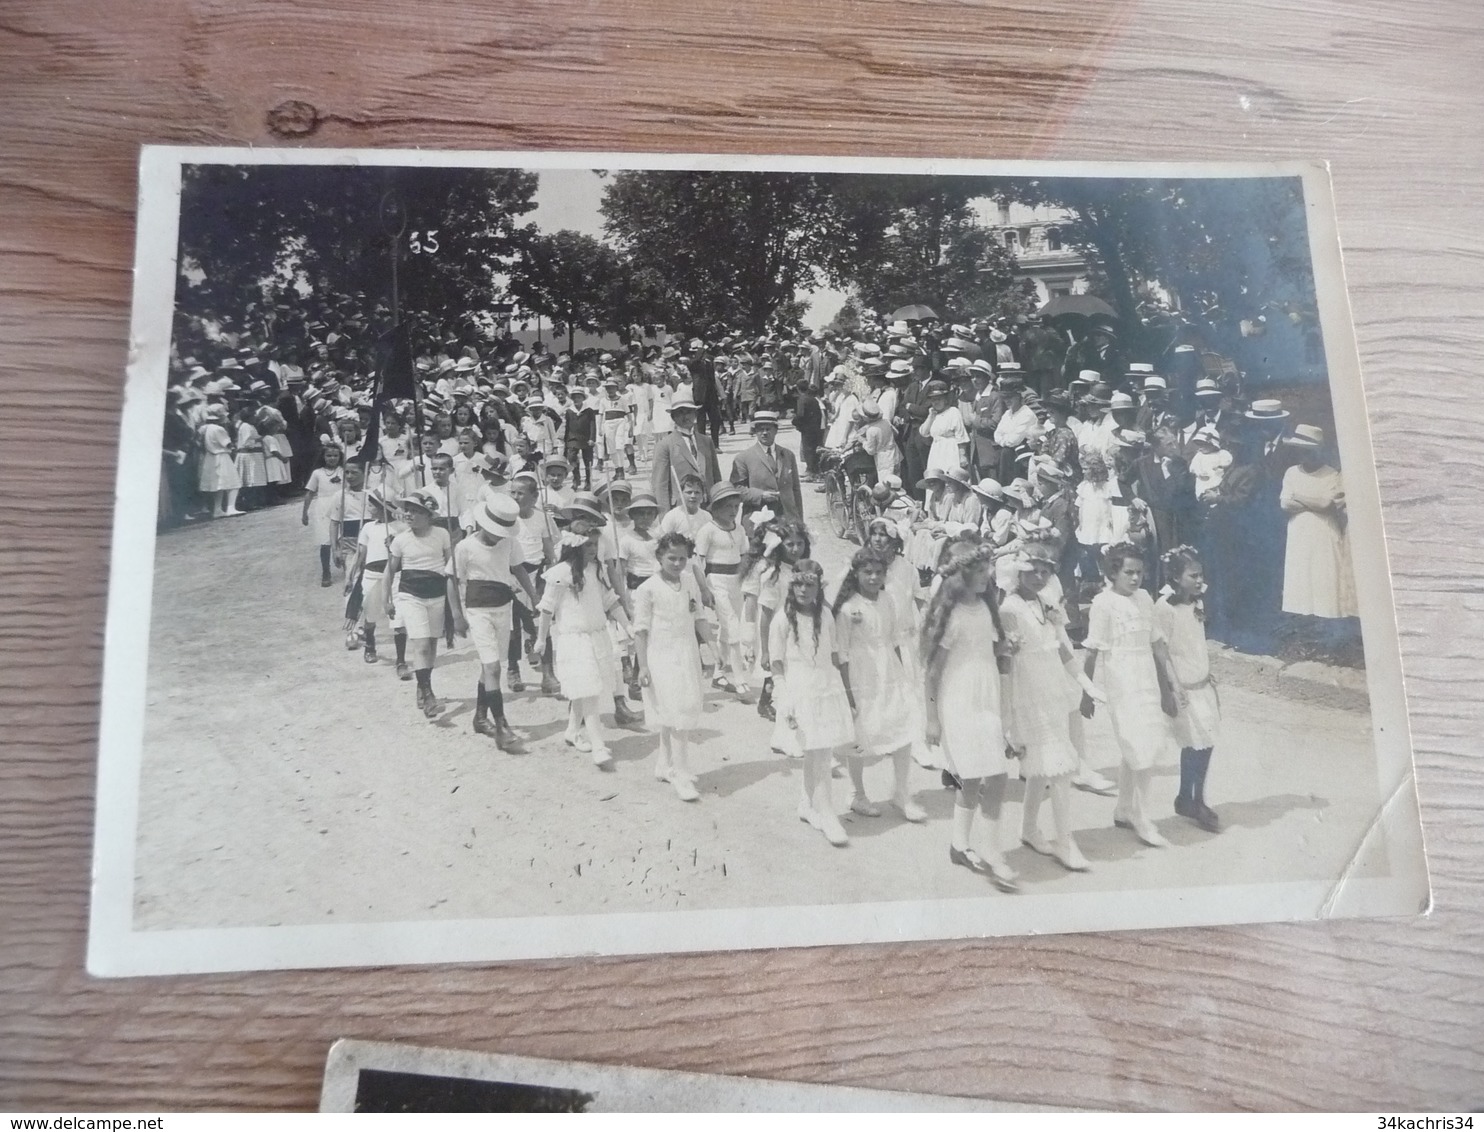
x=422 y=583
x=480 y=593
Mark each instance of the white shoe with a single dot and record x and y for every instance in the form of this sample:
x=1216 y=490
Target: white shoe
x=602 y=758
x=577 y=740
x=860 y=804
x=1095 y=783
x=909 y=810
x=1150 y=836
x=1037 y=842
x=1071 y=858
x=662 y=773
x=685 y=788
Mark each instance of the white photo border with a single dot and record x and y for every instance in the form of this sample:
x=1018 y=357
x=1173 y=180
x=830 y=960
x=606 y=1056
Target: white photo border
x=116 y=948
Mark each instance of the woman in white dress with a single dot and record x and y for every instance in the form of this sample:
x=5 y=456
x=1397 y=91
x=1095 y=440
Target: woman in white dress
x=1317 y=576
x=945 y=428
x=1126 y=650
x=961 y=646
x=252 y=468
x=881 y=696
x=666 y=609
x=809 y=693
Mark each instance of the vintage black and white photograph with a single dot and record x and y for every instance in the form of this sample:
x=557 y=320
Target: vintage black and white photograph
x=526 y=555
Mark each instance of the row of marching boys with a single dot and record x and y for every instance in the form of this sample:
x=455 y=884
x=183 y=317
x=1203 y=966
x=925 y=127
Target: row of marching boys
x=975 y=668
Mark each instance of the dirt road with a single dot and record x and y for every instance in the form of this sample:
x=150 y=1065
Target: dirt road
x=287 y=782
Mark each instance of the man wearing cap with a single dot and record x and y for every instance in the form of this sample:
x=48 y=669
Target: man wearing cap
x=1211 y=409
x=682 y=451
x=487 y=568
x=616 y=413
x=767 y=473
x=1155 y=412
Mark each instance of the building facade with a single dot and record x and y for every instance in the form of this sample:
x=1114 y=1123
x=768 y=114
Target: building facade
x=1033 y=235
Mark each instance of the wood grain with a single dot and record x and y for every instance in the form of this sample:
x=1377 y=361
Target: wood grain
x=1373 y=1015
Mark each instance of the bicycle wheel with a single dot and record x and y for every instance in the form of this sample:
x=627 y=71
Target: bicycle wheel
x=862 y=512
x=839 y=508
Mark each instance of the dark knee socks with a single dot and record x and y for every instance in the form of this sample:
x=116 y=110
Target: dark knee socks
x=424 y=679
x=324 y=561
x=481 y=702
x=1193 y=766
x=399 y=639
x=490 y=701
x=370 y=637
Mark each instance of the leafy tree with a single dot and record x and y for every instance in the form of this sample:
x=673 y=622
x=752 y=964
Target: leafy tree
x=261 y=239
x=572 y=279
x=1230 y=251
x=915 y=239
x=729 y=249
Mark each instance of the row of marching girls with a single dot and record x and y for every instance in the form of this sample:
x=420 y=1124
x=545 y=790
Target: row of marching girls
x=1002 y=686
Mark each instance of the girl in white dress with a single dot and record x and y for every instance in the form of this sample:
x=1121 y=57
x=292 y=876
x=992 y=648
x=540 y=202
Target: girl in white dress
x=219 y=479
x=960 y=649
x=1181 y=619
x=322 y=494
x=881 y=696
x=575 y=608
x=1126 y=647
x=252 y=469
x=666 y=609
x=786 y=544
x=1042 y=700
x=809 y=692
x=721 y=549
x=886 y=538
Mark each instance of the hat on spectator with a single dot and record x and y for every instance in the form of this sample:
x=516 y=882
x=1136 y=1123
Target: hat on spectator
x=1208 y=387
x=1306 y=436
x=1269 y=409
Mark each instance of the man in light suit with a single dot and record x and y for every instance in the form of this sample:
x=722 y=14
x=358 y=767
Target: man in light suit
x=680 y=452
x=767 y=474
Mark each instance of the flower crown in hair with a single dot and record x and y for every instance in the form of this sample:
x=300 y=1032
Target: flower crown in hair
x=962 y=560
x=572 y=538
x=1176 y=553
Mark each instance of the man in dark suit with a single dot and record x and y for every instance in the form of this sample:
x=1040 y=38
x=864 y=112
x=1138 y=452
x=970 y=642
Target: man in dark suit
x=682 y=451
x=767 y=474
x=703 y=387
x=299 y=426
x=912 y=410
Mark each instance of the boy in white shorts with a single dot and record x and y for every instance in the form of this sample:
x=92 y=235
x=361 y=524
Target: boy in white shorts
x=488 y=567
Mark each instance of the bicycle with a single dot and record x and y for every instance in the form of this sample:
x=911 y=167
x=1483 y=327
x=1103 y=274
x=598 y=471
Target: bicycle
x=848 y=474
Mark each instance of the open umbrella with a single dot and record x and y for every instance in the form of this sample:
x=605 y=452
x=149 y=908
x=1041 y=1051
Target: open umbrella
x=913 y=312
x=1081 y=306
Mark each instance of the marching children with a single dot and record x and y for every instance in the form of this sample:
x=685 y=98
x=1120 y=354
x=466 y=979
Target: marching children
x=961 y=646
x=321 y=499
x=580 y=424
x=688 y=516
x=1043 y=700
x=489 y=565
x=786 y=543
x=417 y=588
x=886 y=721
x=721 y=547
x=373 y=547
x=1126 y=646
x=554 y=493
x=1180 y=619
x=575 y=608
x=809 y=693
x=537 y=537
x=667 y=608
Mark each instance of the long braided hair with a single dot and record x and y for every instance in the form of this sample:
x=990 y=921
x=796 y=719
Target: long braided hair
x=791 y=606
x=962 y=559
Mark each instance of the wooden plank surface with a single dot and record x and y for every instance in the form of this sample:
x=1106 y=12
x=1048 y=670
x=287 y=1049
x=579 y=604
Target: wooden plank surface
x=1377 y=1015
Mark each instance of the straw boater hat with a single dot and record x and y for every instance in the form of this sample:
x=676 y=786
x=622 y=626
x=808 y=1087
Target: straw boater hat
x=1129 y=437
x=871 y=411
x=1206 y=434
x=1270 y=409
x=1306 y=436
x=1154 y=383
x=899 y=370
x=497 y=516
x=764 y=418
x=1138 y=371
x=557 y=460
x=1121 y=400
x=936 y=388
x=1087 y=377
x=839 y=373
x=643 y=499
x=424 y=498
x=981 y=368
x=1208 y=387
x=585 y=506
